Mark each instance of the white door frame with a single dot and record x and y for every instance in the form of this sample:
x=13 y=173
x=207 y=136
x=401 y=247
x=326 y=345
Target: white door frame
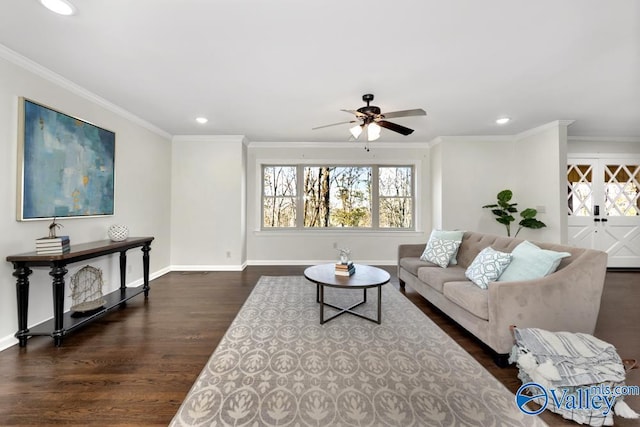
x=617 y=235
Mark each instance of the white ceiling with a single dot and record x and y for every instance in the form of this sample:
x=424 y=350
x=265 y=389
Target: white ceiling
x=273 y=69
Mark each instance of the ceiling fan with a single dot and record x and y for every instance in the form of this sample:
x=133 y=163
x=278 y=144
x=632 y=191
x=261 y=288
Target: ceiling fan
x=370 y=120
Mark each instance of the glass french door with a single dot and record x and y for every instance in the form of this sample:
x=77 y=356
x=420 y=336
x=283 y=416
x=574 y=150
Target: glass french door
x=603 y=203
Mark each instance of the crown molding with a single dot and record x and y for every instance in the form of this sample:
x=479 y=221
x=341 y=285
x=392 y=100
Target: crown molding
x=57 y=79
x=547 y=126
x=604 y=139
x=210 y=138
x=338 y=145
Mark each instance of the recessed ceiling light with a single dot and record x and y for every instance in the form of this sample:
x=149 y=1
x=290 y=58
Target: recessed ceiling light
x=61 y=7
x=503 y=120
x=202 y=120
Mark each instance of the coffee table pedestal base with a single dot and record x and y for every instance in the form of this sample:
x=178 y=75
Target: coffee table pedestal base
x=342 y=310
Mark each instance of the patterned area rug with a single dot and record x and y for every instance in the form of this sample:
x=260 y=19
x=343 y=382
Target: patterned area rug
x=277 y=366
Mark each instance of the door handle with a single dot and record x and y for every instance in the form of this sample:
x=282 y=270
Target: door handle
x=596 y=220
x=604 y=220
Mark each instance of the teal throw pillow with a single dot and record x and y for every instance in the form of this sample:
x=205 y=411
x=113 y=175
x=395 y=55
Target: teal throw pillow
x=531 y=262
x=455 y=235
x=487 y=266
x=439 y=251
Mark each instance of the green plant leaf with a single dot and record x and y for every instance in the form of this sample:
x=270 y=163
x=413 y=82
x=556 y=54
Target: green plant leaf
x=506 y=220
x=528 y=213
x=490 y=206
x=504 y=196
x=532 y=223
x=499 y=212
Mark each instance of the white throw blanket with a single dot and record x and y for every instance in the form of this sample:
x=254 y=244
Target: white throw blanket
x=572 y=361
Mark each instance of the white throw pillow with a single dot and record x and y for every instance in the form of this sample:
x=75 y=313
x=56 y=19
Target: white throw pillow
x=487 y=266
x=439 y=251
x=531 y=262
x=455 y=235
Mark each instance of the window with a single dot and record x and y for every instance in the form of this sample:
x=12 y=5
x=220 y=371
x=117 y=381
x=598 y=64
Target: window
x=337 y=196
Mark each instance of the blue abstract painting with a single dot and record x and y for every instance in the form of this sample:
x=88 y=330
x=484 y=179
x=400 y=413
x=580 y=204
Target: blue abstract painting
x=67 y=166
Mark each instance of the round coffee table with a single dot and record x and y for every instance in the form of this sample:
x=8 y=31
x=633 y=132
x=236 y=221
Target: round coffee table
x=364 y=278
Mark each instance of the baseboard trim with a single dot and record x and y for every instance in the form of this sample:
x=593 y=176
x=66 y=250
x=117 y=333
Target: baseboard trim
x=315 y=262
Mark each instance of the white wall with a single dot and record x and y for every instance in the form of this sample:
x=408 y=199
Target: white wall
x=143 y=162
x=208 y=207
x=584 y=145
x=474 y=169
x=542 y=179
x=313 y=246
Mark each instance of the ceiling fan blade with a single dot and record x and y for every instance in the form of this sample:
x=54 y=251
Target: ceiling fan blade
x=334 y=124
x=357 y=113
x=405 y=113
x=395 y=127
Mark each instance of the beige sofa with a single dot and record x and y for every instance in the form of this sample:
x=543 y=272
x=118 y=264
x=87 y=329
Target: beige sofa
x=566 y=300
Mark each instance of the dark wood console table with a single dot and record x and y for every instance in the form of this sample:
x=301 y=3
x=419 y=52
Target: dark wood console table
x=61 y=324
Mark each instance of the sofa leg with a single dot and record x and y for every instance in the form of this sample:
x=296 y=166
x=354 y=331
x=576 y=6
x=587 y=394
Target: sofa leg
x=502 y=360
x=401 y=282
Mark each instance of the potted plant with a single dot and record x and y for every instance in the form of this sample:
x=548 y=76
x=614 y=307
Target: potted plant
x=503 y=211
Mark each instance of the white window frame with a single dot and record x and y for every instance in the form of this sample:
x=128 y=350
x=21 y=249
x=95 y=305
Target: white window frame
x=375 y=197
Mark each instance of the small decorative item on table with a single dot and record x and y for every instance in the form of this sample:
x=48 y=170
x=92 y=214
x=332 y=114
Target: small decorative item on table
x=346 y=269
x=118 y=232
x=345 y=266
x=52 y=244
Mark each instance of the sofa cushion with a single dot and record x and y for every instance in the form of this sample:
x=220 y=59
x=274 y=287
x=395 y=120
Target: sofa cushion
x=487 y=266
x=468 y=296
x=473 y=243
x=531 y=262
x=412 y=264
x=436 y=276
x=440 y=251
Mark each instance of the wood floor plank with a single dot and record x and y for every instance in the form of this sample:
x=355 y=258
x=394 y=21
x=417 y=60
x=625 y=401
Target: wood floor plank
x=134 y=366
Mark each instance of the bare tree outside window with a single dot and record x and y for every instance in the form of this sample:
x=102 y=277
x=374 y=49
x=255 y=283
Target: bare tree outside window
x=279 y=196
x=334 y=196
x=395 y=197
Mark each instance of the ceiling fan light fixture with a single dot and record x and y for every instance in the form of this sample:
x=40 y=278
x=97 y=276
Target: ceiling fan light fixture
x=373 y=131
x=503 y=120
x=356 y=131
x=61 y=7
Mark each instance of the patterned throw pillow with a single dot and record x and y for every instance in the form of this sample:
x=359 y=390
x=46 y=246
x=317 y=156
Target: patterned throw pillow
x=448 y=235
x=487 y=266
x=439 y=251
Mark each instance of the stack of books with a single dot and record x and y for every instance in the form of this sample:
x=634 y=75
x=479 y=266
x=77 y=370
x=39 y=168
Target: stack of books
x=53 y=245
x=345 y=269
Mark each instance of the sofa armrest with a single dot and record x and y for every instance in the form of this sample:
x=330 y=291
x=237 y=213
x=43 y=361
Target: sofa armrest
x=410 y=250
x=567 y=300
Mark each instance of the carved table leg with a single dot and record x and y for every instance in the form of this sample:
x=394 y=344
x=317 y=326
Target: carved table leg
x=58 y=272
x=145 y=268
x=123 y=276
x=123 y=270
x=22 y=272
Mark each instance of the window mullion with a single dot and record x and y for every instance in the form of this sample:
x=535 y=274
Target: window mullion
x=299 y=197
x=375 y=198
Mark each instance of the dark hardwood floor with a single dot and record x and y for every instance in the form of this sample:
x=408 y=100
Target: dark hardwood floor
x=133 y=367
